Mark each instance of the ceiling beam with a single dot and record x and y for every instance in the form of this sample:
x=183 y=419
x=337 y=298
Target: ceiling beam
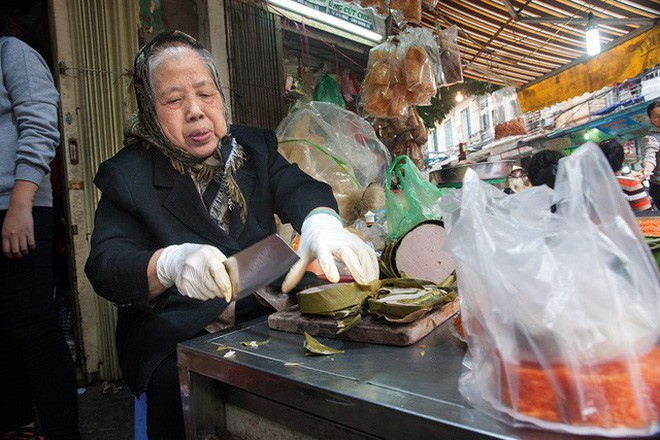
x=610 y=21
x=495 y=35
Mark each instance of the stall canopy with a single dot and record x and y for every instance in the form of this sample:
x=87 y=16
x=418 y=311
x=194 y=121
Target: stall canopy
x=627 y=60
x=514 y=42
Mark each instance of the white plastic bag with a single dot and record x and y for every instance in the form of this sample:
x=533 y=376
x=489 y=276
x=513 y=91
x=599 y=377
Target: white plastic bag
x=561 y=309
x=336 y=146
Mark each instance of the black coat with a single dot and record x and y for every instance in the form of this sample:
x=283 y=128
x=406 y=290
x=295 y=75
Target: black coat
x=146 y=205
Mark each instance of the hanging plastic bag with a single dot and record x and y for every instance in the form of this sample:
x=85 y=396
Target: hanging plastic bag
x=406 y=11
x=327 y=90
x=379 y=7
x=418 y=69
x=413 y=201
x=384 y=86
x=560 y=309
x=335 y=146
x=450 y=55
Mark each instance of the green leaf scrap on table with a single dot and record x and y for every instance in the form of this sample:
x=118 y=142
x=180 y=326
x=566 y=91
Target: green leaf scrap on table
x=314 y=347
x=254 y=343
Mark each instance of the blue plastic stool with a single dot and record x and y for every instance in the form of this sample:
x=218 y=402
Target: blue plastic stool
x=140 y=430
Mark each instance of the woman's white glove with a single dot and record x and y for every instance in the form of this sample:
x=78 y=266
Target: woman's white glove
x=323 y=237
x=196 y=270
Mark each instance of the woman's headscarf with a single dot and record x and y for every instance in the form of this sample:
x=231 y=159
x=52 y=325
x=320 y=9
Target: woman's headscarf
x=144 y=128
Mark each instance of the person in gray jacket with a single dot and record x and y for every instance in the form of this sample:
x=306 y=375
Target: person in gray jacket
x=36 y=367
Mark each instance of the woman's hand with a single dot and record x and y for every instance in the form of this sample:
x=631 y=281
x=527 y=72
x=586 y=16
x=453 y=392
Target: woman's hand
x=647 y=170
x=18 y=233
x=18 y=226
x=323 y=237
x=196 y=270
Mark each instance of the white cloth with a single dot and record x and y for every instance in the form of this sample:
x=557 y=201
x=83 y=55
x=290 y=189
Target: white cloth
x=196 y=270
x=323 y=237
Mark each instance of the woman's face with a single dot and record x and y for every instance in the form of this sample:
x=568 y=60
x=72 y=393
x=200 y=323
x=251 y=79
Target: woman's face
x=655 y=117
x=188 y=105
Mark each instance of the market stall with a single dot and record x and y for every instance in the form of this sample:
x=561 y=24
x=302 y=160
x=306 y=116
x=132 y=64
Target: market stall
x=370 y=391
x=557 y=289
x=557 y=333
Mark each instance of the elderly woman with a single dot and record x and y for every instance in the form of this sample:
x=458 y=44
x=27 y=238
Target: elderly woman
x=185 y=192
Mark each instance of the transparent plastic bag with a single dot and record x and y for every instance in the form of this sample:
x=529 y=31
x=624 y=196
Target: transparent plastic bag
x=384 y=87
x=406 y=11
x=561 y=309
x=379 y=7
x=506 y=105
x=335 y=146
x=450 y=56
x=418 y=49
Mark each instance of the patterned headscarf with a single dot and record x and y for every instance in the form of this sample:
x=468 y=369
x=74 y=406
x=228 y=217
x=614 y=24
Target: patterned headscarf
x=143 y=127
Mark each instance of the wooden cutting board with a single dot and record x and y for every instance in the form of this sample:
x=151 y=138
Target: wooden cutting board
x=374 y=330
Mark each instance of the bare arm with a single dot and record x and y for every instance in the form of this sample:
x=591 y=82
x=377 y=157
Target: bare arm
x=18 y=227
x=155 y=287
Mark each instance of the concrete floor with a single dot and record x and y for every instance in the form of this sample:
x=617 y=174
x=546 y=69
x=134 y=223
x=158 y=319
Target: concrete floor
x=106 y=413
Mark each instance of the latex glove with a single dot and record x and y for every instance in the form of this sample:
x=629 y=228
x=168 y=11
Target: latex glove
x=196 y=270
x=323 y=237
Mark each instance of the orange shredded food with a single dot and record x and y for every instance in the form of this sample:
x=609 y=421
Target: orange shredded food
x=617 y=399
x=650 y=227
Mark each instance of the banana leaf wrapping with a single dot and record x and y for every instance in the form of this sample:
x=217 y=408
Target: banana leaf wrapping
x=403 y=300
x=343 y=302
x=347 y=302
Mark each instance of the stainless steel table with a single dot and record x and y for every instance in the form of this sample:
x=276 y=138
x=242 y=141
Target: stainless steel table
x=369 y=391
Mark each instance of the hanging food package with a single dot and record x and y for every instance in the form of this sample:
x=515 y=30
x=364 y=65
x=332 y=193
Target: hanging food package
x=404 y=135
x=406 y=11
x=513 y=127
x=450 y=56
x=378 y=6
x=417 y=66
x=384 y=89
x=409 y=197
x=429 y=4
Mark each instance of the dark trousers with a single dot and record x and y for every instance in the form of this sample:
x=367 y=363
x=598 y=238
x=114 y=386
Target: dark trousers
x=36 y=367
x=654 y=192
x=164 y=409
x=164 y=413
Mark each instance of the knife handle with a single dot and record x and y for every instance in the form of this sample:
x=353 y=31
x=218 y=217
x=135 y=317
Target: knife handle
x=234 y=277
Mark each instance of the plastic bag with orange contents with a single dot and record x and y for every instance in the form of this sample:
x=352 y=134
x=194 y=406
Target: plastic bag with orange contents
x=384 y=85
x=406 y=11
x=559 y=302
x=419 y=55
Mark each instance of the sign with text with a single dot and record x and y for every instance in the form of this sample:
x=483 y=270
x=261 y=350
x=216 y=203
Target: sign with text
x=343 y=11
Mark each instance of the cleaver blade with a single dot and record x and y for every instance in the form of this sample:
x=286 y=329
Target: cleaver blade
x=259 y=264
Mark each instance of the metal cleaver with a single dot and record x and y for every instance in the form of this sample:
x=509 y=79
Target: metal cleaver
x=259 y=264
